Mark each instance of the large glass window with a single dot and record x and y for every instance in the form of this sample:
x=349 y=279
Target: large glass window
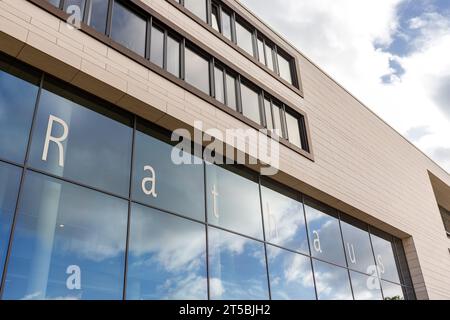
x=285 y=68
x=383 y=248
x=159 y=182
x=392 y=291
x=128 y=29
x=332 y=283
x=197 y=70
x=237 y=267
x=324 y=233
x=9 y=190
x=18 y=93
x=69 y=243
x=290 y=275
x=250 y=103
x=284 y=220
x=365 y=287
x=233 y=201
x=198 y=7
x=357 y=246
x=157 y=47
x=97 y=16
x=73 y=140
x=293 y=129
x=167 y=257
x=244 y=38
x=173 y=56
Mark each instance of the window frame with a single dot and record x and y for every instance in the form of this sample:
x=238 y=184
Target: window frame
x=155 y=18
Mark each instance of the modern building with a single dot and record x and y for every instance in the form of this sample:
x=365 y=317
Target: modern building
x=92 y=205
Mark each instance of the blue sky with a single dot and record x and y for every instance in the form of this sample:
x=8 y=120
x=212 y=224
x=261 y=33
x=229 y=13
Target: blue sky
x=391 y=54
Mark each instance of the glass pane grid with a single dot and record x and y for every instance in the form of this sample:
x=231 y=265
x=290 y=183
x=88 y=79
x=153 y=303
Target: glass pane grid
x=292 y=249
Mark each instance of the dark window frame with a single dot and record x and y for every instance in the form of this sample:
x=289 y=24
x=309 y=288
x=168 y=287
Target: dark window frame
x=230 y=9
x=154 y=18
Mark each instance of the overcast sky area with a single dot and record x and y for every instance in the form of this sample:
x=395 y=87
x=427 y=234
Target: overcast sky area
x=393 y=55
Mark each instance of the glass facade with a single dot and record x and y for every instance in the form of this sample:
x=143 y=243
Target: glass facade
x=102 y=212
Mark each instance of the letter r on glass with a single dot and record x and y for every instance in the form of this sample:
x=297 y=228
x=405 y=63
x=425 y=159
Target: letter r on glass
x=57 y=140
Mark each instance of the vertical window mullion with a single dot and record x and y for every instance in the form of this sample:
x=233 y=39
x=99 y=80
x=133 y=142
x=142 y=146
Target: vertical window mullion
x=272 y=112
x=109 y=18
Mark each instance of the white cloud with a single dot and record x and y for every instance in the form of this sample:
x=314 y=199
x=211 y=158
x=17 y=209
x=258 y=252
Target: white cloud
x=344 y=38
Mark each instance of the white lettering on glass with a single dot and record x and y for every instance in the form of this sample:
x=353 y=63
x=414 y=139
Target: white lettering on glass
x=351 y=253
x=74 y=280
x=215 y=194
x=316 y=242
x=381 y=264
x=57 y=140
x=152 y=180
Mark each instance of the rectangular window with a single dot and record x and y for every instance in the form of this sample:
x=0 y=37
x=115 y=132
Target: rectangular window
x=219 y=85
x=250 y=103
x=18 y=93
x=215 y=17
x=332 y=282
x=293 y=128
x=197 y=7
x=97 y=16
x=446 y=218
x=261 y=55
x=237 y=267
x=173 y=56
x=197 y=70
x=285 y=68
x=231 y=91
x=166 y=257
x=226 y=25
x=244 y=38
x=277 y=116
x=223 y=187
x=175 y=183
x=269 y=57
x=95 y=146
x=128 y=29
x=157 y=46
x=268 y=111
x=9 y=190
x=69 y=243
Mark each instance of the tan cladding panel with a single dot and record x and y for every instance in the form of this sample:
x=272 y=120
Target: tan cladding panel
x=361 y=166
